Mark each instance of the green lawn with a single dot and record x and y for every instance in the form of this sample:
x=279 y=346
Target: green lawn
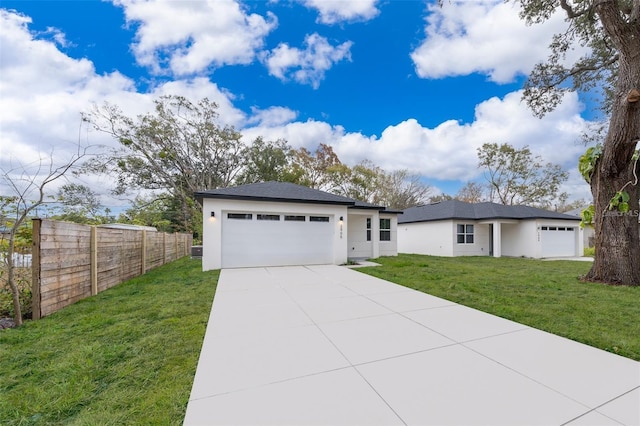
x=547 y=295
x=126 y=356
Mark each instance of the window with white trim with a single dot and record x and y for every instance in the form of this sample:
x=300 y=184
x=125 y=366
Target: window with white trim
x=385 y=229
x=465 y=233
x=368 y=229
x=268 y=217
x=318 y=218
x=241 y=216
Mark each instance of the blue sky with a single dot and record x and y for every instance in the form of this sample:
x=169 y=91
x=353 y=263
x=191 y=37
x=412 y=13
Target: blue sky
x=405 y=84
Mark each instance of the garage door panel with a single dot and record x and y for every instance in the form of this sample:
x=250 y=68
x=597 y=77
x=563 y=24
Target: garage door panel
x=558 y=242
x=247 y=243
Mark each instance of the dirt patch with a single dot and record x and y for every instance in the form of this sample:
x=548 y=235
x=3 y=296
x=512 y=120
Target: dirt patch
x=6 y=323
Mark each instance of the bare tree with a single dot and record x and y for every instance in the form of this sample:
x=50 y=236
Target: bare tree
x=28 y=184
x=400 y=190
x=472 y=192
x=516 y=176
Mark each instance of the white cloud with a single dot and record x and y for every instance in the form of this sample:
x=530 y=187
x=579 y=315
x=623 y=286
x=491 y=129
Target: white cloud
x=485 y=37
x=449 y=151
x=42 y=95
x=306 y=66
x=272 y=116
x=334 y=11
x=195 y=35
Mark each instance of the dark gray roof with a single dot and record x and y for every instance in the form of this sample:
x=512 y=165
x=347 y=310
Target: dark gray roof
x=284 y=192
x=454 y=209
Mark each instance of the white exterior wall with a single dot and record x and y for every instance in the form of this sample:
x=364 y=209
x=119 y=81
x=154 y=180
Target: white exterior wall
x=389 y=248
x=212 y=226
x=524 y=239
x=480 y=246
x=431 y=238
x=520 y=239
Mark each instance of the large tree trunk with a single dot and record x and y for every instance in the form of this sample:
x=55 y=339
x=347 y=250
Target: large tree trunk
x=617 y=239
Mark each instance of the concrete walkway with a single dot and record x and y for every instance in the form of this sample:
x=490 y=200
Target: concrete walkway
x=327 y=345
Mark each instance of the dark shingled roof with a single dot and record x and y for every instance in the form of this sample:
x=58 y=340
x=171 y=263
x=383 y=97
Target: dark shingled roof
x=454 y=209
x=284 y=192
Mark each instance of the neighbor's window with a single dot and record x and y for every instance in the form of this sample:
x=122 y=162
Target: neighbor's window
x=465 y=234
x=268 y=217
x=294 y=218
x=368 y=229
x=385 y=229
x=244 y=216
x=318 y=218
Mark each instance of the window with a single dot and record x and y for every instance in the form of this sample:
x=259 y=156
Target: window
x=242 y=216
x=385 y=229
x=544 y=228
x=268 y=217
x=368 y=229
x=292 y=218
x=318 y=218
x=465 y=234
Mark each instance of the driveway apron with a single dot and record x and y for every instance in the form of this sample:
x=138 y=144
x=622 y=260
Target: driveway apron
x=327 y=345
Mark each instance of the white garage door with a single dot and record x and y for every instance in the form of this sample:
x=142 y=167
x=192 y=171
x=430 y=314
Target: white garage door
x=260 y=239
x=558 y=241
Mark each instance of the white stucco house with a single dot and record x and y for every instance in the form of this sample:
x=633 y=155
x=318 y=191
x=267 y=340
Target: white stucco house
x=456 y=228
x=280 y=224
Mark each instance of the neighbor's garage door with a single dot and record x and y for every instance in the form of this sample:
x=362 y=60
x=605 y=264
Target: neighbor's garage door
x=558 y=241
x=256 y=239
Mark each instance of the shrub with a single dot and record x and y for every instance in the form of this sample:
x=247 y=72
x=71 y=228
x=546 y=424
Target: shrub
x=23 y=280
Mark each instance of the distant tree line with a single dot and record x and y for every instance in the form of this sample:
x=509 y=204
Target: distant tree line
x=181 y=148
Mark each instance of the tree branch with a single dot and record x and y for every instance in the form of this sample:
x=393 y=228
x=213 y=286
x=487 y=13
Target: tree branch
x=571 y=14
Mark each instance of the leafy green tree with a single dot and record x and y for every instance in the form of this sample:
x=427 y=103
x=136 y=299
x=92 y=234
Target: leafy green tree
x=163 y=212
x=611 y=31
x=267 y=161
x=79 y=204
x=358 y=182
x=516 y=176
x=180 y=148
x=314 y=169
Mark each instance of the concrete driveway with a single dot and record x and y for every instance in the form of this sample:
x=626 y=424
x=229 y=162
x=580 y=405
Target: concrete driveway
x=327 y=345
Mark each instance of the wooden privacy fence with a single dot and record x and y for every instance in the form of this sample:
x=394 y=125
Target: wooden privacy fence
x=73 y=261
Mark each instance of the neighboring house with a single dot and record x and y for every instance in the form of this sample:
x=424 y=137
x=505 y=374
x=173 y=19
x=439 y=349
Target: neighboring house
x=588 y=232
x=278 y=224
x=456 y=228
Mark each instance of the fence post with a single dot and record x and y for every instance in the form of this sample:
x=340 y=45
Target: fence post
x=175 y=243
x=94 y=260
x=164 y=248
x=35 y=270
x=143 y=267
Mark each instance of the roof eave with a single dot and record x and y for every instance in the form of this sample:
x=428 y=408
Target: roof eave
x=202 y=195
